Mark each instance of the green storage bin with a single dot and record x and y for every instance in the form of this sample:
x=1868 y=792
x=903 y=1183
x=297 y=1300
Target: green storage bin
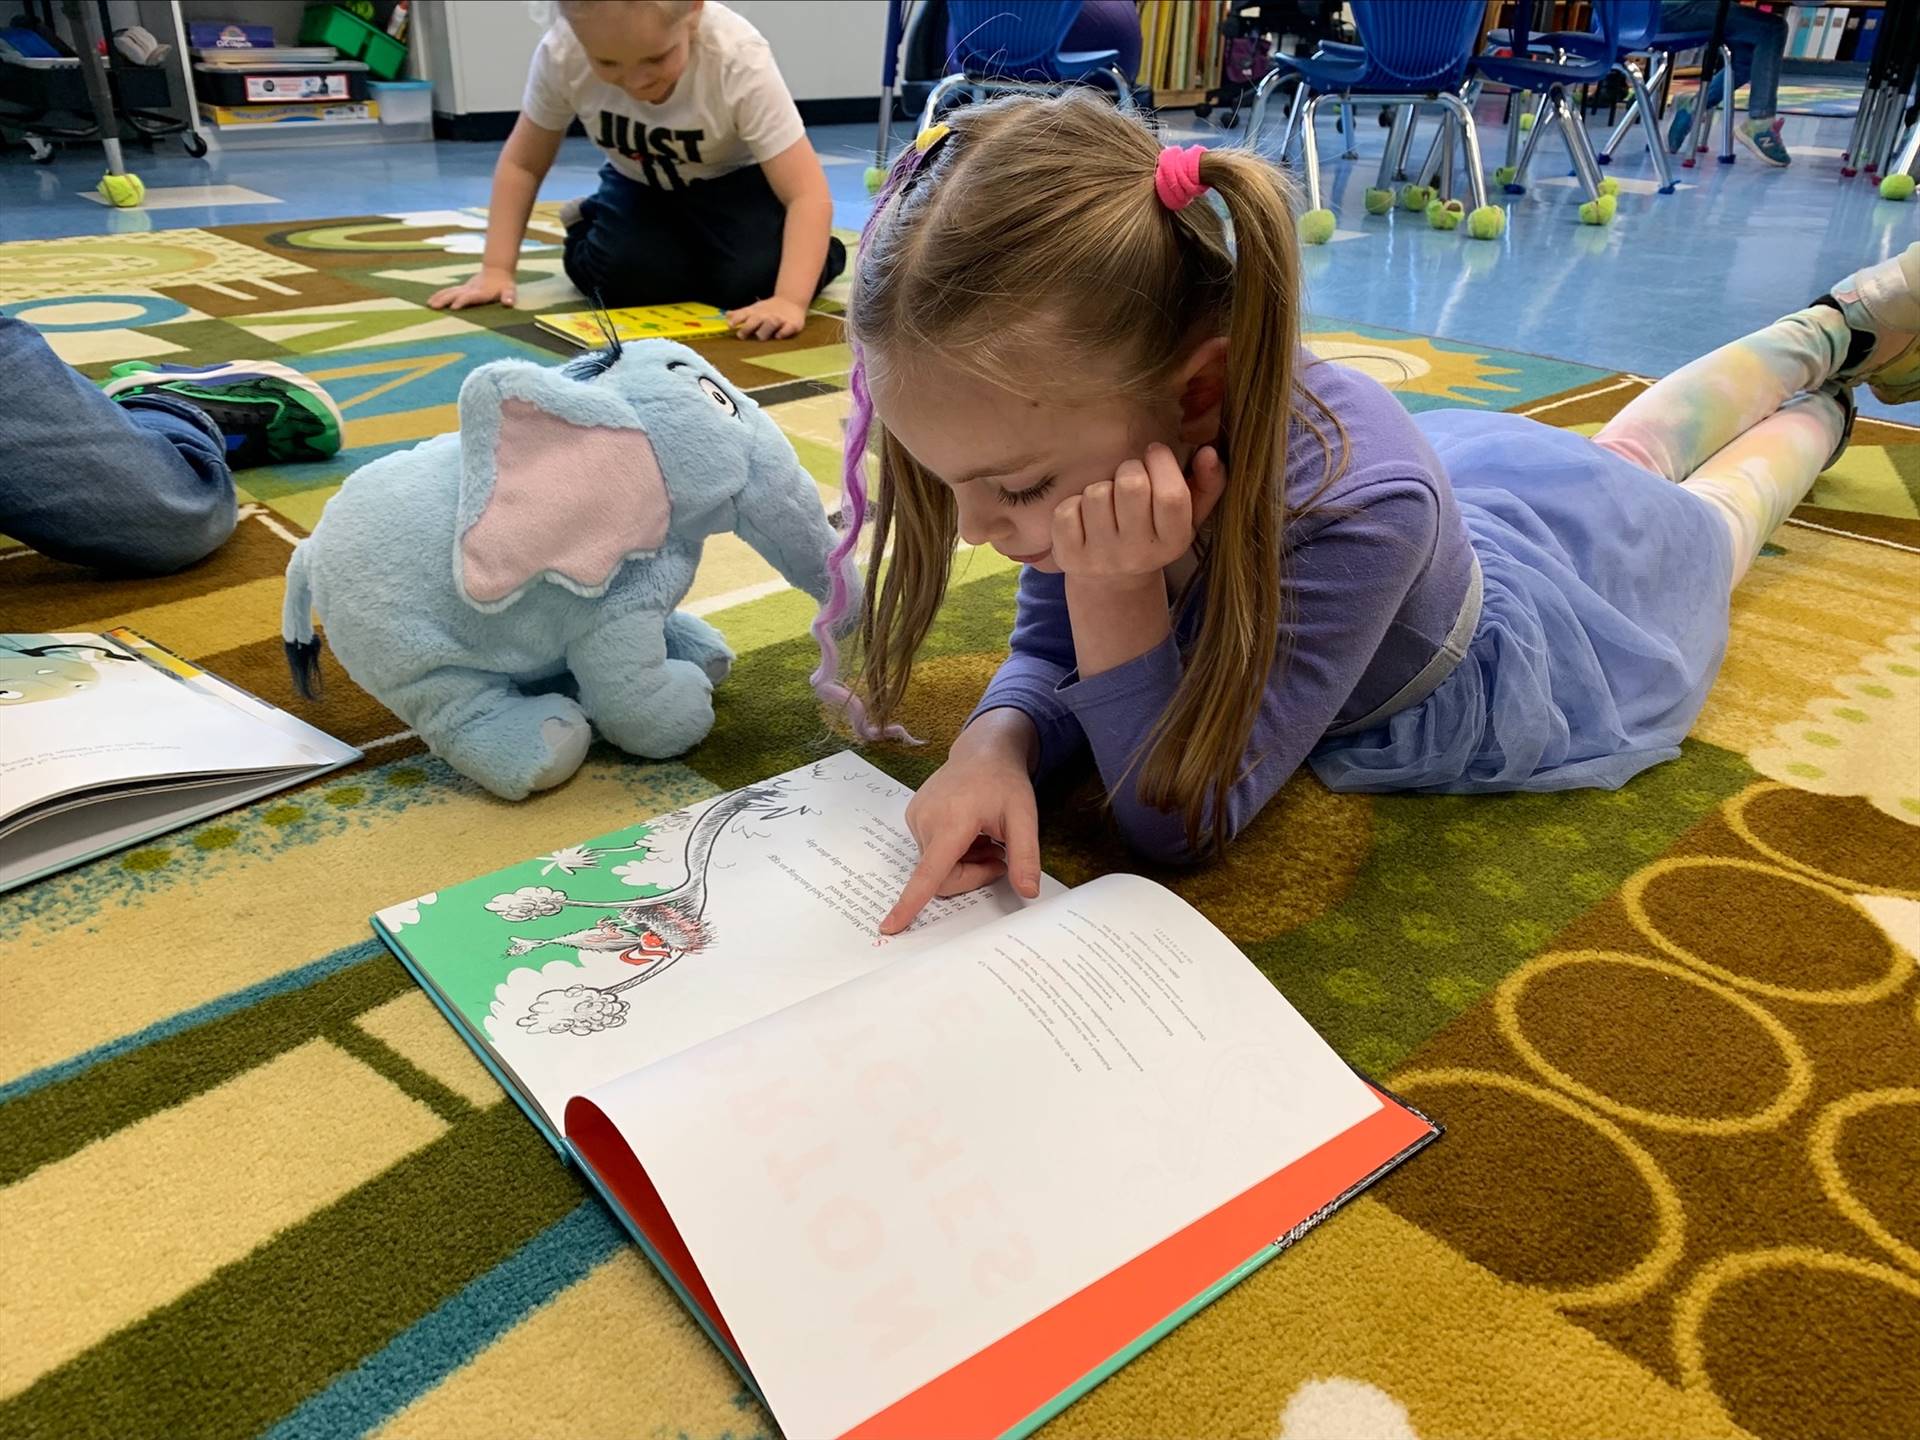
x=353 y=37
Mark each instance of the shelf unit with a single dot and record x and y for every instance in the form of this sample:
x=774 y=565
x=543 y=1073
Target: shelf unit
x=168 y=20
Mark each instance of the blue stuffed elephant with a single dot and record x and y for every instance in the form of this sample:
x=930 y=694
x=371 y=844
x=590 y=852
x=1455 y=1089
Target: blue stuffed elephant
x=509 y=588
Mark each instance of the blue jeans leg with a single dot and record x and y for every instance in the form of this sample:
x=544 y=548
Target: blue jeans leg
x=1758 y=43
x=141 y=488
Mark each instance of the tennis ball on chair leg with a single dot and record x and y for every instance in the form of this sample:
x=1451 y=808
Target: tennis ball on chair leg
x=1526 y=121
x=876 y=177
x=1487 y=223
x=1598 y=212
x=1415 y=197
x=1504 y=175
x=1609 y=186
x=1379 y=202
x=1316 y=227
x=1445 y=214
x=1897 y=187
x=122 y=191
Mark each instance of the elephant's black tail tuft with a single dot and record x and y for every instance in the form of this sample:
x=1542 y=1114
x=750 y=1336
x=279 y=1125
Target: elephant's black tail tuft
x=296 y=628
x=303 y=664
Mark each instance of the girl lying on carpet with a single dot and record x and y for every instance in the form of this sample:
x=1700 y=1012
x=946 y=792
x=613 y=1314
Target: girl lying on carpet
x=711 y=190
x=1239 y=558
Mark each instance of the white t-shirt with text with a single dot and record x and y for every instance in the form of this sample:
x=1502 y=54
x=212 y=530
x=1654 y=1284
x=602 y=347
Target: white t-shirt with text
x=729 y=110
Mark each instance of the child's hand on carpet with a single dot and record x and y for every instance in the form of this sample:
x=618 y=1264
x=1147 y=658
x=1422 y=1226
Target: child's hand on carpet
x=488 y=286
x=974 y=819
x=771 y=319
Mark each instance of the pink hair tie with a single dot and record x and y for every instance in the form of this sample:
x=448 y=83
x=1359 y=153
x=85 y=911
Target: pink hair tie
x=1176 y=178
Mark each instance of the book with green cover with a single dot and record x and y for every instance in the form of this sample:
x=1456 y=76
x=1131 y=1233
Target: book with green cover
x=936 y=1183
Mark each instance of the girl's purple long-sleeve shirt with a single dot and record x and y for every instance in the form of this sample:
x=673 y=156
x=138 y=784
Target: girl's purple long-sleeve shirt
x=1376 y=570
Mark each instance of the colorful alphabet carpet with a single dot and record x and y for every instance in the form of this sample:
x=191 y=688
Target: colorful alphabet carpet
x=250 y=1183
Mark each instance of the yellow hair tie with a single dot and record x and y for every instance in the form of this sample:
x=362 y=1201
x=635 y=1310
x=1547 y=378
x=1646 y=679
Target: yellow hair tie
x=930 y=137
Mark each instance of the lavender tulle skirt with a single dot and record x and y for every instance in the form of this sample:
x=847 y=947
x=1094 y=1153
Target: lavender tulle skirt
x=1603 y=622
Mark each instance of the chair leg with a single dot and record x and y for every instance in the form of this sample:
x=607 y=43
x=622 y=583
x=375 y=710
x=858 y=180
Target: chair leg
x=948 y=84
x=1656 y=147
x=1448 y=128
x=1429 y=171
x=1258 y=117
x=1310 y=149
x=1396 y=142
x=1470 y=142
x=1405 y=145
x=1346 y=123
x=1726 y=107
x=1296 y=113
x=1605 y=153
x=1123 y=88
x=1857 y=134
x=1578 y=147
x=1909 y=155
x=1518 y=184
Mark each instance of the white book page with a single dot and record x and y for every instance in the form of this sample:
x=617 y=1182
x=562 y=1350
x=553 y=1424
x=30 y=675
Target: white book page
x=772 y=894
x=882 y=1181
x=88 y=713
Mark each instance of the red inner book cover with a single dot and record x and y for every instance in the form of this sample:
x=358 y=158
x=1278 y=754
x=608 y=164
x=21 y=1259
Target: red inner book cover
x=992 y=1391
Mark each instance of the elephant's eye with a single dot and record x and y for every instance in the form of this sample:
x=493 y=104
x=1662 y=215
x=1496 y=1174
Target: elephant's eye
x=719 y=396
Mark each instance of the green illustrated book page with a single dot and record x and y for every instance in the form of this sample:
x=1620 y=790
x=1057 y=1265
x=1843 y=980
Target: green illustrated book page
x=606 y=955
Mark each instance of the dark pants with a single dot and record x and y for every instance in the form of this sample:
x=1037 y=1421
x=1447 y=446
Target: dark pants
x=137 y=488
x=716 y=241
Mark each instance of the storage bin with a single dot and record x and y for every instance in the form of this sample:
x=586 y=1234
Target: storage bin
x=386 y=57
x=319 y=85
x=403 y=102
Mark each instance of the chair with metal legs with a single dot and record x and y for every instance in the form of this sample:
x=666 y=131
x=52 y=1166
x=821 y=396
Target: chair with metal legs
x=1409 y=57
x=1885 y=104
x=1583 y=59
x=1635 y=30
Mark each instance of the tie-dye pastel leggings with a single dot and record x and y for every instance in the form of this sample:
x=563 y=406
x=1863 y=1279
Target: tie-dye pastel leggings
x=1740 y=428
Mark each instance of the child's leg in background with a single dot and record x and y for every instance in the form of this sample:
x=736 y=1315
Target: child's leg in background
x=1677 y=424
x=1761 y=474
x=739 y=227
x=140 y=488
x=629 y=246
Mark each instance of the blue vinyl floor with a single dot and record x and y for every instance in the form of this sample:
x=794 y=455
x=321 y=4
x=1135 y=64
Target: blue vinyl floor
x=1673 y=276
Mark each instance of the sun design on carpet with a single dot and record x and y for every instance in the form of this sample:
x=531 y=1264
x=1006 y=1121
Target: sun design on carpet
x=1413 y=364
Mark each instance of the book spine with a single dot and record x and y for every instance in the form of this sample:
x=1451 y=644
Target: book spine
x=1836 y=32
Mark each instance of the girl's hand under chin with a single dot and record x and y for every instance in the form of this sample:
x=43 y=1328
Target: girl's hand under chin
x=1126 y=531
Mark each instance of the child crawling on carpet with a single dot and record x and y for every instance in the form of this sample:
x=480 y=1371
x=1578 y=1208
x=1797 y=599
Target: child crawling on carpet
x=1239 y=559
x=711 y=191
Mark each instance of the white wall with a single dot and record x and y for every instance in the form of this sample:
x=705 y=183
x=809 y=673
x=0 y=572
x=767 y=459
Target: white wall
x=826 y=49
x=477 y=51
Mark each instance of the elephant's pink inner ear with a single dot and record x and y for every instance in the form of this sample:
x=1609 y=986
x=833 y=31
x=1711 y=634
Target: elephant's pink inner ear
x=566 y=498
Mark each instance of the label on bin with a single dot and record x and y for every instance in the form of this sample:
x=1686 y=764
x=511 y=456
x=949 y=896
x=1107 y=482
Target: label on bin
x=296 y=87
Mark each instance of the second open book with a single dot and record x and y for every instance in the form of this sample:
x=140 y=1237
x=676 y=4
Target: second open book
x=937 y=1184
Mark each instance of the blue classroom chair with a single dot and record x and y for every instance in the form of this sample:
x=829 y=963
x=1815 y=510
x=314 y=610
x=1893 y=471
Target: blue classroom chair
x=1007 y=46
x=1409 y=57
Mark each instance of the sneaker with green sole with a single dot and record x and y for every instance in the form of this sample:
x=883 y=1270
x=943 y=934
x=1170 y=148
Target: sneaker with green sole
x=1884 y=301
x=269 y=413
x=1762 y=139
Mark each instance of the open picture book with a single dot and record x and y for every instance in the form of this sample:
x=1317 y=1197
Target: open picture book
x=108 y=740
x=935 y=1184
